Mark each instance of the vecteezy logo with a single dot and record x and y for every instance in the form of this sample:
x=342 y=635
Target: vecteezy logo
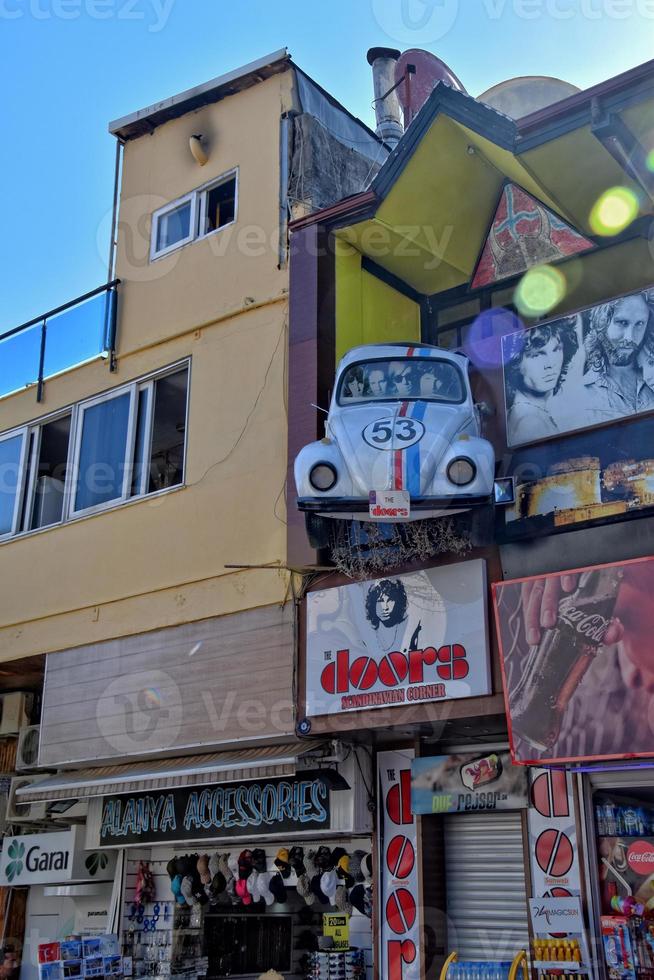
x=140 y=712
x=16 y=852
x=415 y=21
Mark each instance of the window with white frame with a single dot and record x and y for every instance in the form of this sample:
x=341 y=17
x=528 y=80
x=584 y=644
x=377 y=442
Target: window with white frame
x=123 y=444
x=196 y=215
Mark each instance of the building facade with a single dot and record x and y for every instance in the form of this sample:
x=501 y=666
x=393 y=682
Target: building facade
x=148 y=636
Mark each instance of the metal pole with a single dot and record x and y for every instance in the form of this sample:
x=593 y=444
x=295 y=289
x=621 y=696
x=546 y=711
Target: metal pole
x=39 y=390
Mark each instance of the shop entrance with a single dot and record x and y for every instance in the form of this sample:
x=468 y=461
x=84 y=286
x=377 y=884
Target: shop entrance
x=485 y=887
x=621 y=864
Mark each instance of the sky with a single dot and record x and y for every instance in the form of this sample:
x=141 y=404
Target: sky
x=68 y=67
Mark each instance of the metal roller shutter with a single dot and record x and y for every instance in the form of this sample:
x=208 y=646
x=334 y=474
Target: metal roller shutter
x=486 y=890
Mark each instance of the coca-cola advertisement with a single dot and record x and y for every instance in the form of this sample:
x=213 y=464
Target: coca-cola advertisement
x=577 y=663
x=398 y=641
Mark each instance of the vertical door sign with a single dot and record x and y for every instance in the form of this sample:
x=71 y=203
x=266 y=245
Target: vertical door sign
x=553 y=851
x=399 y=912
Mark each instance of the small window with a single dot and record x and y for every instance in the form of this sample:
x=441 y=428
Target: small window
x=46 y=482
x=12 y=448
x=124 y=444
x=199 y=213
x=102 y=453
x=219 y=205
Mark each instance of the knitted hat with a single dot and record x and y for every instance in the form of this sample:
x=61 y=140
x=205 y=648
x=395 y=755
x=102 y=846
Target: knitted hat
x=340 y=900
x=282 y=862
x=303 y=888
x=355 y=864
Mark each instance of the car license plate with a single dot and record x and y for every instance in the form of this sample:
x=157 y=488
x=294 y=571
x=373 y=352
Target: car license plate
x=389 y=505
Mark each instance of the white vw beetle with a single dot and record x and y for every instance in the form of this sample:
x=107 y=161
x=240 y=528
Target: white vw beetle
x=402 y=441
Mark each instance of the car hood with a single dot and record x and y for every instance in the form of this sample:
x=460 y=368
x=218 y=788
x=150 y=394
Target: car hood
x=397 y=465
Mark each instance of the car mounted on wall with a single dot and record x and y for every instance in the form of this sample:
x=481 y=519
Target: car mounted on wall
x=402 y=442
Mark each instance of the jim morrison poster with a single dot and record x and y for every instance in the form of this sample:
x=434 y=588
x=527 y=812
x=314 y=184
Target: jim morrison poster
x=583 y=370
x=576 y=651
x=398 y=641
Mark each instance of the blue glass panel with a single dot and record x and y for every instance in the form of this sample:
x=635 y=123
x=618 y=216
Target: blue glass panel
x=102 y=452
x=77 y=334
x=10 y=450
x=19 y=360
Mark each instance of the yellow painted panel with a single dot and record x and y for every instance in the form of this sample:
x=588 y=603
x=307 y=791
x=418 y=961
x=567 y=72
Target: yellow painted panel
x=368 y=311
x=161 y=559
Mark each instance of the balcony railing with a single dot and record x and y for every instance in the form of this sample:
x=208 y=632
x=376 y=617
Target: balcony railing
x=78 y=331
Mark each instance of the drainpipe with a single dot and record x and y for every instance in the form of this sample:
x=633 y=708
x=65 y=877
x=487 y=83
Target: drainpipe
x=387 y=104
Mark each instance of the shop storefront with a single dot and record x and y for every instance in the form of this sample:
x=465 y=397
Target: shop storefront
x=579 y=704
x=71 y=890
x=256 y=862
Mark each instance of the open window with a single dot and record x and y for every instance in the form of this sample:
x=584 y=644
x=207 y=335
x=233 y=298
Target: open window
x=126 y=443
x=200 y=213
x=47 y=473
x=12 y=457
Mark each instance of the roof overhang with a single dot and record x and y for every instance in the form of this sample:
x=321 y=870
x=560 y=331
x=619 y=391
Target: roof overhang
x=146 y=120
x=427 y=213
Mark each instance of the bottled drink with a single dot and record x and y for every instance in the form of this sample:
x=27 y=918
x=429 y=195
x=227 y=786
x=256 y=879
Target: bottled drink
x=555 y=668
x=600 y=826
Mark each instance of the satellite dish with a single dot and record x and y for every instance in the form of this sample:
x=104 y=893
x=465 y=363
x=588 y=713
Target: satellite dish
x=518 y=97
x=417 y=72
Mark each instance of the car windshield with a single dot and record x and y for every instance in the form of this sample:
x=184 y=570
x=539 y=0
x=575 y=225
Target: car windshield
x=399 y=378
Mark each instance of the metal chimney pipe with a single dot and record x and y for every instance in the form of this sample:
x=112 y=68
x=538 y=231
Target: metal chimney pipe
x=387 y=104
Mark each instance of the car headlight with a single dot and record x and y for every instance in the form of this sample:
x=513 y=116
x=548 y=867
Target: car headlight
x=461 y=471
x=322 y=476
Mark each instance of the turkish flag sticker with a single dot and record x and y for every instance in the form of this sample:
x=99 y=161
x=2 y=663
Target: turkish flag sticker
x=640 y=857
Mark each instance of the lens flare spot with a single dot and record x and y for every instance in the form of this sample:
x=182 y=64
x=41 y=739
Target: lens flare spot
x=613 y=211
x=152 y=697
x=649 y=161
x=483 y=339
x=539 y=290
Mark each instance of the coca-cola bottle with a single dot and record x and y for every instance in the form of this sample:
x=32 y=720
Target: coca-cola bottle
x=555 y=668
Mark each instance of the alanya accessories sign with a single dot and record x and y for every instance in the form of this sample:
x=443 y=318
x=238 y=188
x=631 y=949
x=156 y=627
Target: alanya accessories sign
x=209 y=812
x=399 y=640
x=40 y=859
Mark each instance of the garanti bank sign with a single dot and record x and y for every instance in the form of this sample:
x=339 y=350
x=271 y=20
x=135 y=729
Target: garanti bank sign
x=41 y=859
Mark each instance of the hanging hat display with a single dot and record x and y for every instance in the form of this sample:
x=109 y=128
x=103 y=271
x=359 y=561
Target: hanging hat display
x=202 y=866
x=259 y=860
x=317 y=890
x=296 y=860
x=263 y=887
x=187 y=889
x=282 y=862
x=278 y=888
x=303 y=888
x=242 y=891
x=245 y=864
x=214 y=864
x=176 y=889
x=357 y=898
x=232 y=862
x=355 y=864
x=341 y=901
x=329 y=884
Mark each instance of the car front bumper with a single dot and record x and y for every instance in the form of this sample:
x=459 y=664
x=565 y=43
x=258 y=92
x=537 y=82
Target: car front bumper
x=360 y=505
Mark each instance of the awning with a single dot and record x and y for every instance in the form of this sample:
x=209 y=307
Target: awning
x=162 y=774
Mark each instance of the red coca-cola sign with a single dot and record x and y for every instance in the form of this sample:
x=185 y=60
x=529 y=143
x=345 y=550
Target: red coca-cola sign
x=640 y=857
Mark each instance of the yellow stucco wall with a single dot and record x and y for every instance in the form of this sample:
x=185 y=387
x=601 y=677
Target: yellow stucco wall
x=368 y=311
x=160 y=561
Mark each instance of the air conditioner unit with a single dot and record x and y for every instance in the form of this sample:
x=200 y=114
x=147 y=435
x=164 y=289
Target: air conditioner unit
x=15 y=710
x=65 y=812
x=27 y=753
x=18 y=812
